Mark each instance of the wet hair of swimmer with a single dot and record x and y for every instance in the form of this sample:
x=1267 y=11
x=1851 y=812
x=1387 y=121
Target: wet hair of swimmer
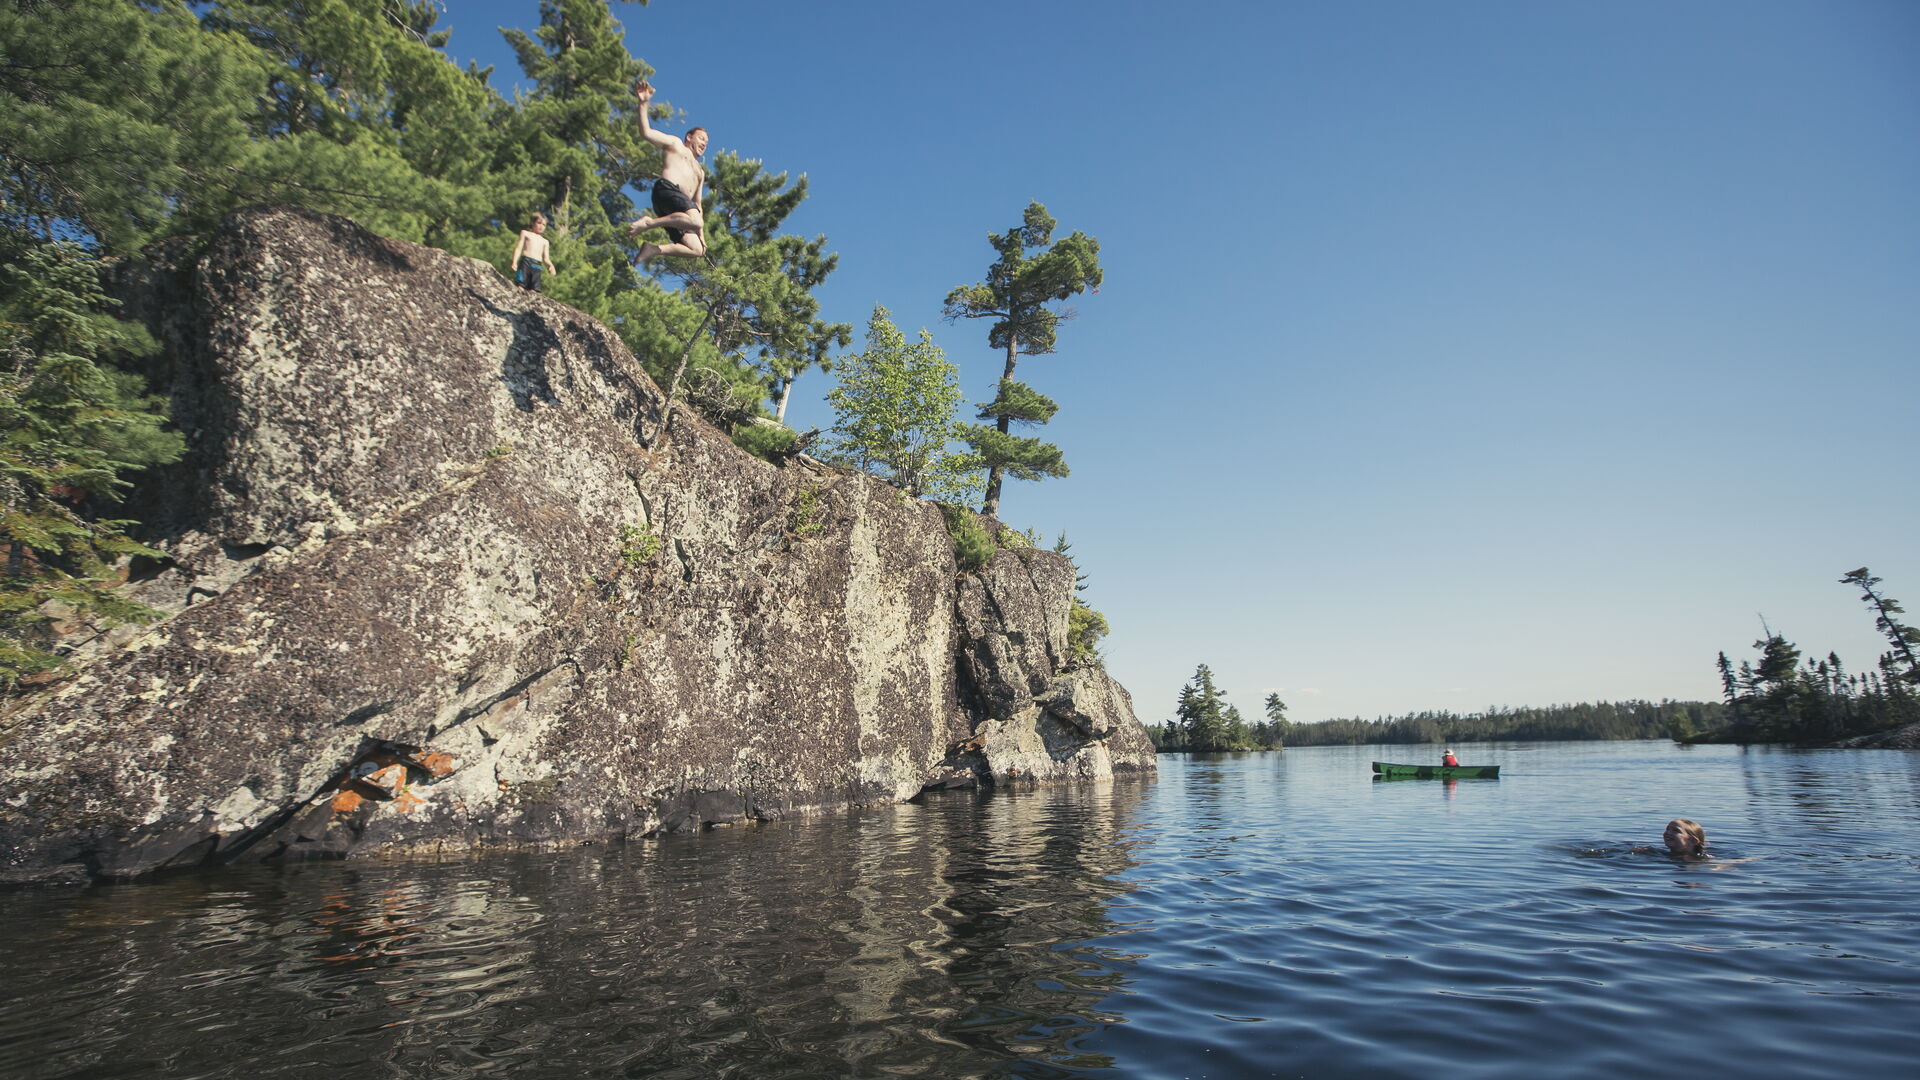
x=1692 y=830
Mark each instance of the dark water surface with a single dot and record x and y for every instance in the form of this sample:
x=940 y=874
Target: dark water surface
x=1243 y=916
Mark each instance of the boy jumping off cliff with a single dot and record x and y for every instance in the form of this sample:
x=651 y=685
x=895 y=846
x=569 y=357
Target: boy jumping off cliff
x=676 y=195
x=530 y=255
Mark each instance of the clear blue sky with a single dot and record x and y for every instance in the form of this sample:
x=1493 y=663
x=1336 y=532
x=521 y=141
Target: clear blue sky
x=1450 y=354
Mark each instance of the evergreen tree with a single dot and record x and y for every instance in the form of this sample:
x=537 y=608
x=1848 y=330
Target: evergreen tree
x=1062 y=547
x=577 y=144
x=758 y=325
x=894 y=412
x=359 y=113
x=1085 y=626
x=781 y=313
x=1018 y=288
x=1277 y=724
x=1729 y=687
x=1207 y=722
x=1238 y=736
x=72 y=426
x=1886 y=609
x=114 y=116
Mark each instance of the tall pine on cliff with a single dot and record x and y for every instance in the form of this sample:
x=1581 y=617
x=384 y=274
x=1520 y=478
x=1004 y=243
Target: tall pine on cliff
x=577 y=147
x=759 y=326
x=753 y=205
x=1018 y=288
x=115 y=118
x=356 y=112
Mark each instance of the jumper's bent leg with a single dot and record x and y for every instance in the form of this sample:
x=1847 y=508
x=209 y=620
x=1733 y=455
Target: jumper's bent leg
x=679 y=219
x=692 y=245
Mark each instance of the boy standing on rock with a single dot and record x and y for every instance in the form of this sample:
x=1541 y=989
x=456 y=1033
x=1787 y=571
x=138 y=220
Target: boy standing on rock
x=676 y=195
x=530 y=255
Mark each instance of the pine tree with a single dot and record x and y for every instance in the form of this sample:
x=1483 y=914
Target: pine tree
x=358 y=112
x=114 y=117
x=1886 y=608
x=1085 y=626
x=757 y=326
x=578 y=146
x=1018 y=288
x=1277 y=720
x=72 y=426
x=1729 y=686
x=1202 y=712
x=781 y=312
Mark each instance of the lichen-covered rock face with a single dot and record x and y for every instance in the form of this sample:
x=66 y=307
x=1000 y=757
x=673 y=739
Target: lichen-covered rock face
x=439 y=578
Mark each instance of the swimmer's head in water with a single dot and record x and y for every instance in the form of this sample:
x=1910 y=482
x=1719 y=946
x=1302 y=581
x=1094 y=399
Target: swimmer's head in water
x=1684 y=837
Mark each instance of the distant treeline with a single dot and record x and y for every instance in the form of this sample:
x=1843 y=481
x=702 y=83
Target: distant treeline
x=1596 y=720
x=1585 y=720
x=1204 y=721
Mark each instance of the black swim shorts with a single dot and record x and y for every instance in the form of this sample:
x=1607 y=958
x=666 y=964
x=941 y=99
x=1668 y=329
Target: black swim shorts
x=529 y=273
x=669 y=199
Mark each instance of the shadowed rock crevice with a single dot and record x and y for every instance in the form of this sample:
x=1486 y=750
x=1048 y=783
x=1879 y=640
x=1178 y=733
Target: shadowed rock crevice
x=443 y=598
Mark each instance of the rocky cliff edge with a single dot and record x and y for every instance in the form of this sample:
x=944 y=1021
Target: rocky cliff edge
x=437 y=579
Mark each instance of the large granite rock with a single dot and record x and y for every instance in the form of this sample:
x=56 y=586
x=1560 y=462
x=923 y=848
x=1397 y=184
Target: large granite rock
x=438 y=578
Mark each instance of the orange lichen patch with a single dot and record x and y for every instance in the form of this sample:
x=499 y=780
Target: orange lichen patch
x=437 y=765
x=391 y=780
x=346 y=802
x=406 y=801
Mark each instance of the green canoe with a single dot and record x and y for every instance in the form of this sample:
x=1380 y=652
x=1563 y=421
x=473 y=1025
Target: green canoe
x=1388 y=770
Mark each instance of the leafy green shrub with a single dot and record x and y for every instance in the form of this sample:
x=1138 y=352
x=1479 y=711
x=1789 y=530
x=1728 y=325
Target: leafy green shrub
x=1085 y=628
x=1009 y=538
x=638 y=543
x=894 y=414
x=971 y=544
x=805 y=519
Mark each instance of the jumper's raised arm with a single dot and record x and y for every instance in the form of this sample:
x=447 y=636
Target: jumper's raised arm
x=644 y=92
x=676 y=195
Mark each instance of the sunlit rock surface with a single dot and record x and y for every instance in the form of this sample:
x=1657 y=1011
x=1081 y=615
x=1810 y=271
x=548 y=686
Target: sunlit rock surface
x=439 y=580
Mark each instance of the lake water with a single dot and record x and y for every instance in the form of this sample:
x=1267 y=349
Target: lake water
x=1250 y=915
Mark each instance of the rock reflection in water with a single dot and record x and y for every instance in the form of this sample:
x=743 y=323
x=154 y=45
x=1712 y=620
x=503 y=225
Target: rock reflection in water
x=948 y=939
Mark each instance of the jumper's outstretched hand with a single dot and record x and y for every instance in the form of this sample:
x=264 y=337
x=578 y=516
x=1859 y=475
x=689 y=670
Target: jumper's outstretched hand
x=643 y=90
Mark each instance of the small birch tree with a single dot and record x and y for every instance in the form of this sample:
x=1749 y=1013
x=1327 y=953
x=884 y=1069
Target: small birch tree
x=894 y=414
